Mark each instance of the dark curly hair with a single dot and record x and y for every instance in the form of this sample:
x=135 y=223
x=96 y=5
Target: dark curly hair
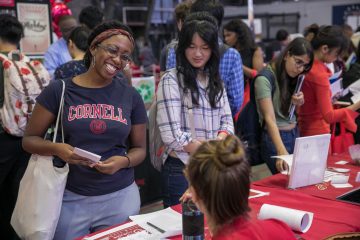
x=11 y=29
x=99 y=29
x=203 y=24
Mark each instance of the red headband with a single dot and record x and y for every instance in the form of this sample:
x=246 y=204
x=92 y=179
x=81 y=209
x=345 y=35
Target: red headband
x=109 y=33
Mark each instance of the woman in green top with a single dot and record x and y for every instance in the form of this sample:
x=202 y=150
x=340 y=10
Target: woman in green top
x=280 y=131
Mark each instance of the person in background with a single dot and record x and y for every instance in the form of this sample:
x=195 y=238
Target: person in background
x=280 y=132
x=58 y=53
x=77 y=45
x=147 y=59
x=181 y=11
x=219 y=182
x=351 y=76
x=316 y=115
x=103 y=116
x=196 y=74
x=13 y=158
x=230 y=67
x=275 y=48
x=90 y=17
x=239 y=36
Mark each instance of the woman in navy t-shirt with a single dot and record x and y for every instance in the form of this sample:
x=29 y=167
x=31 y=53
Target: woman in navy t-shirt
x=103 y=116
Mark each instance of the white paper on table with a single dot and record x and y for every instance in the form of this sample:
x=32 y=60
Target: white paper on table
x=127 y=231
x=256 y=193
x=167 y=219
x=342 y=162
x=288 y=159
x=296 y=219
x=342 y=185
x=339 y=179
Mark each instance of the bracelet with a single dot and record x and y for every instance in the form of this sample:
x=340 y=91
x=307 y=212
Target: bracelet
x=128 y=161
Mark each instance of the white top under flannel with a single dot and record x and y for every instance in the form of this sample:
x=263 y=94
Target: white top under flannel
x=174 y=120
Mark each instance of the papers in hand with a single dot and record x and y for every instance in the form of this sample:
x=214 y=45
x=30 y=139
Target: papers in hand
x=296 y=219
x=163 y=223
x=86 y=154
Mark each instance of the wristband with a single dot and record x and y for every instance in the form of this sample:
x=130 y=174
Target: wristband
x=128 y=161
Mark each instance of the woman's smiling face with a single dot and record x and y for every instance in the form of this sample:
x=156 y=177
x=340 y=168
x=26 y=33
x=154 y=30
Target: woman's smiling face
x=112 y=55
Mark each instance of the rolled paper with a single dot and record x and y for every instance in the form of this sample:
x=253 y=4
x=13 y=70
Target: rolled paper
x=296 y=219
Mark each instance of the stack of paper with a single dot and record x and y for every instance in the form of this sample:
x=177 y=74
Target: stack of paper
x=166 y=222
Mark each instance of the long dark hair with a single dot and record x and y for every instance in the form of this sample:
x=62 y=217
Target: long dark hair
x=98 y=30
x=245 y=37
x=297 y=47
x=207 y=30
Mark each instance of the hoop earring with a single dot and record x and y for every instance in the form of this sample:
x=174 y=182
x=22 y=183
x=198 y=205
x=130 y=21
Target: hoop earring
x=93 y=62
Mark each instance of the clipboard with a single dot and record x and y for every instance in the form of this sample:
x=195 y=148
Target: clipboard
x=299 y=84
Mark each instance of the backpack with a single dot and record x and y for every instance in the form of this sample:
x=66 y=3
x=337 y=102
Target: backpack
x=248 y=128
x=156 y=145
x=23 y=81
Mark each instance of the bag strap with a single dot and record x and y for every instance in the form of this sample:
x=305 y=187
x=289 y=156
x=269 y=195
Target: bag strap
x=36 y=75
x=26 y=91
x=60 y=115
x=188 y=99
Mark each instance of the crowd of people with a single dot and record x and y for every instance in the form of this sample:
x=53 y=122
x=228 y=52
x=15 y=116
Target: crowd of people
x=205 y=83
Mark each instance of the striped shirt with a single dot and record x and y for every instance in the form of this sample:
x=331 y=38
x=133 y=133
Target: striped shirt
x=231 y=73
x=174 y=120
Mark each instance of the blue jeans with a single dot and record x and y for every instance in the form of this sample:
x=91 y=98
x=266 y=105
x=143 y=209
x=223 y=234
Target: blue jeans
x=268 y=148
x=174 y=183
x=81 y=215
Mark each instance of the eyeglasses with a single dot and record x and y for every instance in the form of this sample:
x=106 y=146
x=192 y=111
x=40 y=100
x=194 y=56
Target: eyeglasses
x=300 y=64
x=114 y=52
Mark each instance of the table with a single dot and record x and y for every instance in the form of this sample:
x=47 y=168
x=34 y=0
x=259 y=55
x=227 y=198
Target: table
x=323 y=190
x=330 y=216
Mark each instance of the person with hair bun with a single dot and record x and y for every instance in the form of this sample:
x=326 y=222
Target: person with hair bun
x=77 y=45
x=317 y=113
x=103 y=116
x=219 y=183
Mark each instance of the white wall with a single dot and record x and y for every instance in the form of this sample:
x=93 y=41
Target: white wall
x=317 y=11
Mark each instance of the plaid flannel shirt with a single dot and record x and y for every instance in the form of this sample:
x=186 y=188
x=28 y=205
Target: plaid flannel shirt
x=174 y=120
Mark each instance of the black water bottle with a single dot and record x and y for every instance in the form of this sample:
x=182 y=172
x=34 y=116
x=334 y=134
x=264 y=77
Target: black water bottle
x=192 y=222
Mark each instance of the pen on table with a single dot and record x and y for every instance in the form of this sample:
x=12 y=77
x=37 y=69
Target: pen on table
x=156 y=227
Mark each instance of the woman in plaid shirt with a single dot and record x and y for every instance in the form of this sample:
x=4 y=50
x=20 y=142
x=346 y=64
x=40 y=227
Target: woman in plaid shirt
x=196 y=73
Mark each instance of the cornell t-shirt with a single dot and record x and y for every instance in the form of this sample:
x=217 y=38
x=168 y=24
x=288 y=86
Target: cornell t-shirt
x=98 y=120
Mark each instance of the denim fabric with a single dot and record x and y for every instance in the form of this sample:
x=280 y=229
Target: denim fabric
x=268 y=148
x=81 y=215
x=174 y=183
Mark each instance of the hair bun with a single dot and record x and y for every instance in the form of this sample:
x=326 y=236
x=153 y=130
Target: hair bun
x=229 y=152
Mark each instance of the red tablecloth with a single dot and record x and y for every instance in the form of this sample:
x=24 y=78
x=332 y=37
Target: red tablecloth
x=323 y=190
x=330 y=216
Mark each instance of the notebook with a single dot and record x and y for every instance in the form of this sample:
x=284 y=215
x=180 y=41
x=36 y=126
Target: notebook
x=309 y=160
